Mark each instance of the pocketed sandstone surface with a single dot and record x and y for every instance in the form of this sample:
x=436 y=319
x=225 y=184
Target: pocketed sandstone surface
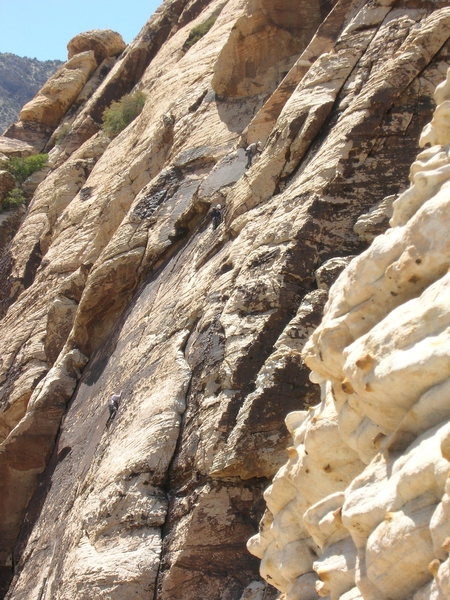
x=361 y=508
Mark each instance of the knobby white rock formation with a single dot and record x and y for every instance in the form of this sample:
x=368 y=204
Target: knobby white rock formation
x=361 y=509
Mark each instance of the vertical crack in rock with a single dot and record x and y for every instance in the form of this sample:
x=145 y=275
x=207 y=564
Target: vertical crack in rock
x=33 y=262
x=167 y=485
x=323 y=40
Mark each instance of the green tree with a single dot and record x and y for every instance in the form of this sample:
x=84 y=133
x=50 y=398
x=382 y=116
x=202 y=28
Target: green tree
x=198 y=32
x=13 y=198
x=21 y=168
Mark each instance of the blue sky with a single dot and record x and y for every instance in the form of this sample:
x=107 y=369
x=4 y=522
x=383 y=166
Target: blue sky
x=41 y=28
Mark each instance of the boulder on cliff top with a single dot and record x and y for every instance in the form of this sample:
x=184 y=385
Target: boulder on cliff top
x=104 y=43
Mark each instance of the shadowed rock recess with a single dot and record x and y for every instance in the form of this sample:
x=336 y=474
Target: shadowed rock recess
x=117 y=281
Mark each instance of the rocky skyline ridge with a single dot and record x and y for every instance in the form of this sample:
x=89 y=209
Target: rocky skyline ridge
x=119 y=278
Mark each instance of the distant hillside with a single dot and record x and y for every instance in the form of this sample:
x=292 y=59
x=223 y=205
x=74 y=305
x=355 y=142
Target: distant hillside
x=20 y=79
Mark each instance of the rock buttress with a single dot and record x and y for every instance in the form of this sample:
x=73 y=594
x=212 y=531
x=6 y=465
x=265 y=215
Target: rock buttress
x=360 y=511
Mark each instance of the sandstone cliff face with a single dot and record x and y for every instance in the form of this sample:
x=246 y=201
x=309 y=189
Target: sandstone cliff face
x=116 y=281
x=361 y=509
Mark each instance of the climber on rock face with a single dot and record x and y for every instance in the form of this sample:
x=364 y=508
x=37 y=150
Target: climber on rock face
x=251 y=151
x=216 y=213
x=113 y=406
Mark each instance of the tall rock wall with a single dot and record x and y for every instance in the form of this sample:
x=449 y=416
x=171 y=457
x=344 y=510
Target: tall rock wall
x=361 y=509
x=117 y=281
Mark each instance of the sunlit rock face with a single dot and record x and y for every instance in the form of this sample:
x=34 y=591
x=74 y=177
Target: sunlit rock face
x=263 y=46
x=103 y=42
x=60 y=91
x=117 y=280
x=91 y=55
x=361 y=510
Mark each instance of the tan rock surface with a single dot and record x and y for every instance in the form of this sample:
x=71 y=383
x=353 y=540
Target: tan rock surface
x=131 y=65
x=103 y=42
x=377 y=524
x=262 y=47
x=13 y=147
x=201 y=329
x=55 y=97
x=58 y=102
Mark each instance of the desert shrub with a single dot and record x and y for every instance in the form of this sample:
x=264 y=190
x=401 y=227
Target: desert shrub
x=121 y=112
x=13 y=198
x=198 y=32
x=22 y=168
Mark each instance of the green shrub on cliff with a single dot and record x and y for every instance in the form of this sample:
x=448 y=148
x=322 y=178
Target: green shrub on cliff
x=22 y=168
x=198 y=32
x=121 y=112
x=13 y=198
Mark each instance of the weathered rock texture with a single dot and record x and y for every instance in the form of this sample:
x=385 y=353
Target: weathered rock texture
x=117 y=281
x=361 y=509
x=104 y=43
x=12 y=147
x=60 y=91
